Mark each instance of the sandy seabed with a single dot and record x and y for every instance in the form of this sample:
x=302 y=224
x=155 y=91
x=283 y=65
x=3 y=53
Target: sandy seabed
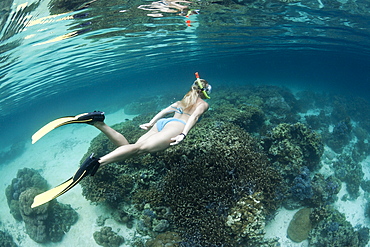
x=57 y=156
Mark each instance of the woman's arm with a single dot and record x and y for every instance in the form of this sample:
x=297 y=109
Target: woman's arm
x=159 y=115
x=193 y=119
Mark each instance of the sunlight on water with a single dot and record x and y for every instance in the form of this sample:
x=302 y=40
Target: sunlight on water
x=49 y=48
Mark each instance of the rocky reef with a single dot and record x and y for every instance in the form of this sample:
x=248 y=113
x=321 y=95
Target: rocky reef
x=6 y=240
x=252 y=153
x=187 y=186
x=332 y=229
x=349 y=171
x=26 y=178
x=48 y=222
x=107 y=237
x=292 y=146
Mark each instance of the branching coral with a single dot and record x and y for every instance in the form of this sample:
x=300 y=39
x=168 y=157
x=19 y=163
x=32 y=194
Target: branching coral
x=246 y=220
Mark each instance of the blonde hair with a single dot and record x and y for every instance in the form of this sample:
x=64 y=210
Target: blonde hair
x=191 y=97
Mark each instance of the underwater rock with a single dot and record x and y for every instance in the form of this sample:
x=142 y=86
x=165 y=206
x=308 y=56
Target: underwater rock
x=6 y=240
x=26 y=178
x=48 y=222
x=63 y=6
x=107 y=237
x=160 y=225
x=300 y=226
x=35 y=219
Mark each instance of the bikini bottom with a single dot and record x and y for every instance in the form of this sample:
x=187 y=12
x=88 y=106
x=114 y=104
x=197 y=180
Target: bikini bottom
x=163 y=121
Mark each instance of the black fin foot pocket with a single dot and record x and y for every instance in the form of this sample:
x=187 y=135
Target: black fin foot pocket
x=88 y=167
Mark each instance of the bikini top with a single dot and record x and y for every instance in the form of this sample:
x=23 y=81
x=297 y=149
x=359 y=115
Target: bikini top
x=179 y=110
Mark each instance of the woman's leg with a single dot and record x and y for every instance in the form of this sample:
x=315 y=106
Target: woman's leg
x=116 y=138
x=155 y=142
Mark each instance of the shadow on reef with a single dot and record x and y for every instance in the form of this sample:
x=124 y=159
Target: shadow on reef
x=255 y=150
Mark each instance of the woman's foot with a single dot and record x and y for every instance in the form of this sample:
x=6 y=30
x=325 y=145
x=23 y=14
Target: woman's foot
x=92 y=117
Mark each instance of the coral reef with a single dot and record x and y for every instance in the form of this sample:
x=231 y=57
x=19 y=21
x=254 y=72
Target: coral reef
x=292 y=146
x=324 y=190
x=246 y=220
x=332 y=229
x=170 y=239
x=206 y=189
x=312 y=192
x=48 y=222
x=35 y=219
x=248 y=116
x=6 y=240
x=107 y=237
x=340 y=136
x=26 y=178
x=153 y=220
x=349 y=171
x=198 y=188
x=201 y=189
x=302 y=187
x=300 y=226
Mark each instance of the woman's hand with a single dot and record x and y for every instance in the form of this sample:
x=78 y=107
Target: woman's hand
x=146 y=126
x=176 y=140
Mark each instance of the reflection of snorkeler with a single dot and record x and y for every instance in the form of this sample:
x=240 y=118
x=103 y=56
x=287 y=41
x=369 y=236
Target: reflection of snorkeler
x=168 y=6
x=190 y=12
x=163 y=133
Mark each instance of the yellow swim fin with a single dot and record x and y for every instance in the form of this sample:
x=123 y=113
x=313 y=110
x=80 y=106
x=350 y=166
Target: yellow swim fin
x=81 y=118
x=89 y=167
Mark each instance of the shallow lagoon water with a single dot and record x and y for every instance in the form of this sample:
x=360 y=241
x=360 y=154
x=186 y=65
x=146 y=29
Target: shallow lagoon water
x=59 y=59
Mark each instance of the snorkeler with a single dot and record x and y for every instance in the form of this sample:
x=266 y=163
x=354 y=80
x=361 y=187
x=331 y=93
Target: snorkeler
x=163 y=133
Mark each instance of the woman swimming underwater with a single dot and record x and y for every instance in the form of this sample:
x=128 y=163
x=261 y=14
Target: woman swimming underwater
x=163 y=132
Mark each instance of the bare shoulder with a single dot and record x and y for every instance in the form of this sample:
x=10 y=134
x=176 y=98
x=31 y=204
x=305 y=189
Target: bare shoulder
x=176 y=104
x=203 y=105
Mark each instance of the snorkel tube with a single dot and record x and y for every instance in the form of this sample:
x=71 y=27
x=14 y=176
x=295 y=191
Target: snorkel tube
x=200 y=86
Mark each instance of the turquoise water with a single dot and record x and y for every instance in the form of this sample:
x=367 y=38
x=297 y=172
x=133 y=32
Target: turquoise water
x=61 y=58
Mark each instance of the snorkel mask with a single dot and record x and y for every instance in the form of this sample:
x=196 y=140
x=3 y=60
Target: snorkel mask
x=206 y=90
